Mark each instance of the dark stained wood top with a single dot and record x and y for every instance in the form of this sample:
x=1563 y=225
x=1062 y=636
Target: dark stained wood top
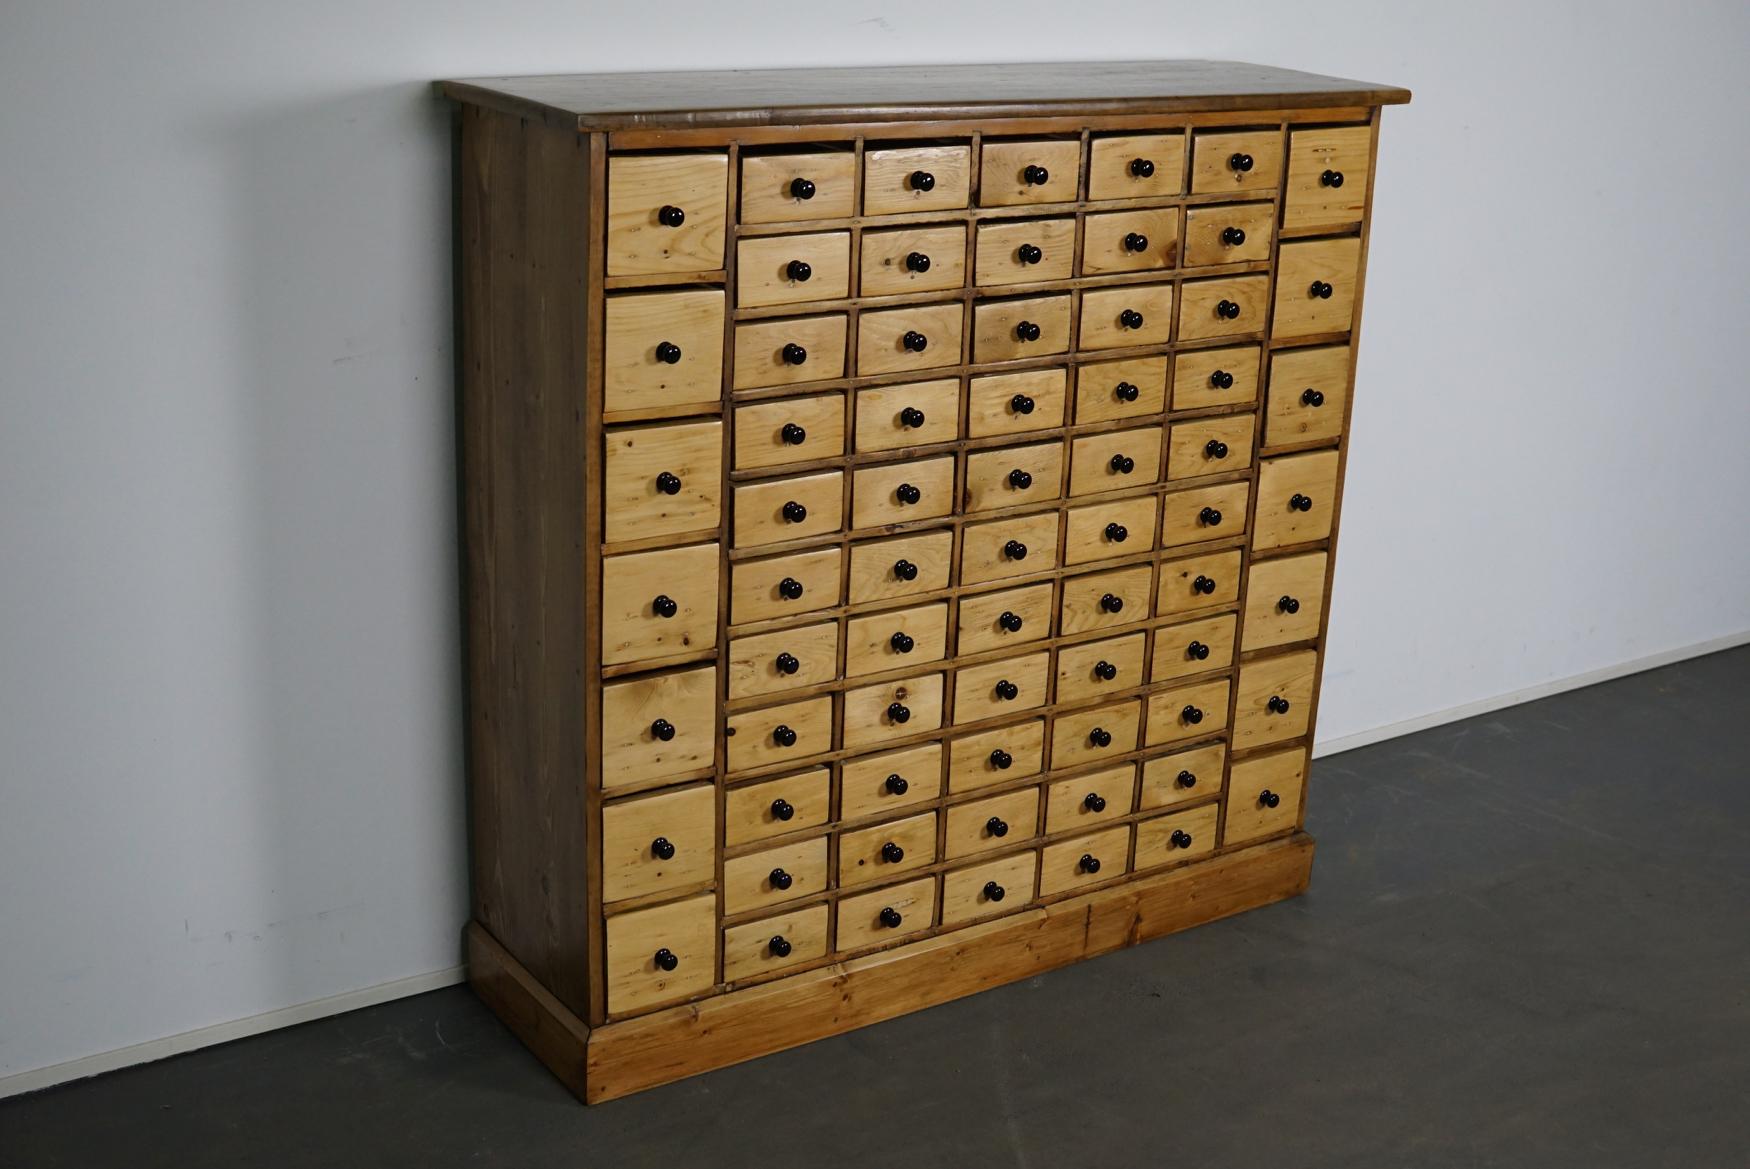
x=905 y=93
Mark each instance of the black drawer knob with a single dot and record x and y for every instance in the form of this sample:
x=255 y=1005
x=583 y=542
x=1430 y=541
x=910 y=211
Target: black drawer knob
x=1204 y=585
x=1034 y=175
x=1001 y=759
x=1029 y=254
x=794 y=512
x=1122 y=464
x=1094 y=802
x=993 y=891
x=1020 y=480
x=1277 y=704
x=1007 y=690
x=794 y=354
x=663 y=730
x=1179 y=839
x=662 y=848
x=1105 y=671
x=783 y=736
x=1331 y=178
x=911 y=417
x=917 y=262
x=668 y=352
x=890 y=917
x=799 y=271
x=1221 y=379
x=1100 y=737
x=664 y=605
x=922 y=180
x=1210 y=517
x=668 y=483
x=783 y=809
x=1015 y=550
x=802 y=188
x=1130 y=319
x=1312 y=397
x=1300 y=502
x=1191 y=714
x=1089 y=863
x=1135 y=241
x=1126 y=392
x=1321 y=290
x=905 y=570
x=665 y=959
x=898 y=712
x=1186 y=779
x=1227 y=310
x=793 y=435
x=1240 y=162
x=1010 y=621
x=892 y=853
x=1021 y=404
x=896 y=784
x=1288 y=604
x=780 y=879
x=907 y=493
x=1215 y=449
x=1142 y=168
x=1112 y=603
x=787 y=663
x=901 y=643
x=1197 y=651
x=1268 y=798
x=1027 y=331
x=1233 y=237
x=1117 y=533
x=779 y=946
x=790 y=589
x=997 y=826
x=671 y=216
x=914 y=341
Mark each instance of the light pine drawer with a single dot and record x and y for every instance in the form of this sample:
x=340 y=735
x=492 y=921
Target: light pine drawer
x=1136 y=166
x=777 y=510
x=1084 y=860
x=1104 y=600
x=887 y=850
x=913 y=259
x=1224 y=306
x=1273 y=698
x=1296 y=499
x=1171 y=780
x=1177 y=837
x=1097 y=669
x=1015 y=403
x=1285 y=600
x=1135 y=314
x=1130 y=241
x=785 y=872
x=1114 y=460
x=1025 y=251
x=776 y=807
x=779 y=734
x=903 y=707
x=1008 y=330
x=662 y=349
x=1187 y=713
x=916 y=337
x=1110 y=390
x=659 y=843
x=1014 y=546
x=662 y=480
x=1309 y=389
x=1210 y=446
x=1087 y=801
x=1232 y=233
x=890 y=783
x=789 y=351
x=1002 y=755
x=1215 y=377
x=916 y=178
x=1315 y=287
x=987 y=889
x=656 y=726
x=886 y=915
x=1089 y=736
x=795 y=430
x=792 y=185
x=1101 y=531
x=774 y=944
x=1224 y=161
x=896 y=638
x=789 y=269
x=1198 y=582
x=784 y=586
x=1193 y=647
x=1196 y=514
x=682 y=933
x=990 y=824
x=666 y=213
x=1327 y=176
x=657 y=604
x=1043 y=170
x=1012 y=476
x=1263 y=795
x=1005 y=686
x=884 y=570
x=789 y=659
x=907 y=415
x=1000 y=620
x=898 y=493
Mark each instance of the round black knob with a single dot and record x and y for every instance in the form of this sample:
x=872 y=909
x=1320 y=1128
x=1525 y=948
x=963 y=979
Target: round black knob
x=1135 y=241
x=1204 y=585
x=1117 y=533
x=1112 y=603
x=1094 y=802
x=1126 y=392
x=892 y=853
x=1210 y=516
x=1227 y=310
x=1130 y=319
x=802 y=188
x=668 y=483
x=1186 y=779
x=790 y=589
x=662 y=848
x=1311 y=397
x=1197 y=651
x=1020 y=480
x=906 y=493
x=668 y=352
x=1011 y=622
x=922 y=180
x=1001 y=759
x=671 y=216
x=898 y=712
x=1007 y=690
x=1233 y=237
x=794 y=354
x=915 y=341
x=1321 y=290
x=901 y=643
x=1089 y=863
x=1240 y=162
x=1122 y=464
x=1277 y=704
x=1331 y=178
x=1288 y=604
x=1268 y=798
x=993 y=891
x=997 y=826
x=1221 y=379
x=783 y=809
x=1105 y=671
x=1029 y=254
x=665 y=605
x=1191 y=714
x=799 y=270
x=917 y=262
x=1027 y=331
x=1021 y=404
x=783 y=736
x=1179 y=839
x=779 y=946
x=662 y=729
x=780 y=879
x=890 y=917
x=1015 y=550
x=1035 y=176
x=905 y=570
x=787 y=663
x=665 y=959
x=794 y=512
x=1300 y=502
x=1142 y=168
x=792 y=434
x=1215 y=449
x=911 y=417
x=1100 y=737
x=896 y=784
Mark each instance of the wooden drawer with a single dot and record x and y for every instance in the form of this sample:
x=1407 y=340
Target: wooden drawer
x=779 y=734
x=1215 y=377
x=887 y=850
x=1263 y=795
x=895 y=639
x=645 y=235
x=1209 y=446
x=789 y=659
x=984 y=890
x=1198 y=582
x=913 y=259
x=789 y=269
x=1327 y=176
x=662 y=480
x=1014 y=546
x=902 y=707
x=987 y=825
x=882 y=570
x=787 y=872
x=660 y=843
x=1233 y=233
x=1012 y=476
x=1032 y=326
x=1309 y=389
x=1100 y=531
x=998 y=756
x=1024 y=251
x=1084 y=860
x=1086 y=801
x=1088 y=736
x=1012 y=617
x=776 y=807
x=1130 y=241
x=789 y=351
x=1115 y=459
x=774 y=944
x=795 y=430
x=792 y=185
x=1315 y=287
x=1095 y=669
x=1224 y=161
x=1136 y=166
x=655 y=604
x=658 y=725
x=886 y=915
x=1183 y=776
x=1007 y=686
x=1193 y=647
x=920 y=336
x=916 y=178
x=1223 y=307
x=889 y=783
x=663 y=349
x=1180 y=836
x=1186 y=713
x=1285 y=600
x=1135 y=314
x=1104 y=600
x=1297 y=496
x=897 y=493
x=1043 y=170
x=687 y=930
x=1267 y=683
x=1133 y=388
x=1015 y=403
x=776 y=510
x=1205 y=513
x=784 y=586
x=913 y=414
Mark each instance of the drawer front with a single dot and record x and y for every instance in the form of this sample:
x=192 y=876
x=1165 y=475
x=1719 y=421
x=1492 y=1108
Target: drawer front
x=1015 y=403
x=1215 y=377
x=879 y=712
x=796 y=430
x=1025 y=251
x=789 y=269
x=916 y=178
x=1002 y=687
x=922 y=336
x=1233 y=233
x=1179 y=778
x=1104 y=600
x=986 y=825
x=1088 y=736
x=896 y=639
x=1205 y=513
x=890 y=783
x=1007 y=330
x=774 y=944
x=1084 y=860
x=1223 y=307
x=1012 y=617
x=686 y=929
x=913 y=259
x=886 y=915
x=1198 y=582
x=776 y=875
x=1130 y=241
x=1194 y=647
x=1101 y=531
x=655 y=604
x=1186 y=713
x=1036 y=171
x=1008 y=547
x=984 y=890
x=897 y=493
x=887 y=850
x=1285 y=600
x=769 y=663
x=1133 y=388
x=1096 y=669
x=1012 y=476
x=1136 y=166
x=780 y=734
x=662 y=480
x=789 y=509
x=1309 y=389
x=1087 y=801
x=784 y=586
x=789 y=351
x=1327 y=177
x=797 y=185
x=774 y=807
x=1263 y=795
x=657 y=726
x=645 y=237
x=1267 y=683
x=997 y=756
x=1114 y=460
x=1236 y=160
x=1315 y=287
x=1180 y=836
x=662 y=349
x=1136 y=314
x=1209 y=446
x=656 y=844
x=913 y=414
x=882 y=570
x=1297 y=496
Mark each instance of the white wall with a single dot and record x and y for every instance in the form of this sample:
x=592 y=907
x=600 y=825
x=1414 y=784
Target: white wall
x=229 y=691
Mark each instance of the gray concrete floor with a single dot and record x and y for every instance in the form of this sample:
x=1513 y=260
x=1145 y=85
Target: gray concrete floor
x=1527 y=943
